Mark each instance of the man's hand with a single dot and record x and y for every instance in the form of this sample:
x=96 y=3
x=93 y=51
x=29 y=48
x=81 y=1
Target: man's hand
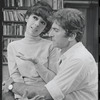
x=5 y=85
x=37 y=97
x=8 y=96
x=24 y=97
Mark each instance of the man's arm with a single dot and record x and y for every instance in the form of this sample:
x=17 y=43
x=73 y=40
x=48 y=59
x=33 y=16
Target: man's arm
x=32 y=90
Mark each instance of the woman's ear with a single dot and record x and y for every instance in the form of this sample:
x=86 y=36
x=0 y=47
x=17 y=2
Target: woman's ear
x=26 y=18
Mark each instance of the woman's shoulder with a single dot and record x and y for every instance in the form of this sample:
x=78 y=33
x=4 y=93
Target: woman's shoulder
x=46 y=41
x=48 y=44
x=15 y=42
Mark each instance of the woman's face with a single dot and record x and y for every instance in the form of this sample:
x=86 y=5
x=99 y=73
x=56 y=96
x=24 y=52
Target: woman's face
x=35 y=25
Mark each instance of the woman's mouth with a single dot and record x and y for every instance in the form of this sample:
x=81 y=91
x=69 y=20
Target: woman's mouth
x=34 y=29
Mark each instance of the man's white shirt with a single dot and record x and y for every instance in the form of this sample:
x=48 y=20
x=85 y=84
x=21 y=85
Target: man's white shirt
x=77 y=77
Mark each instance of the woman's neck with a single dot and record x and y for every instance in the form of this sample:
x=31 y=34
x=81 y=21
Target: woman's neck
x=32 y=38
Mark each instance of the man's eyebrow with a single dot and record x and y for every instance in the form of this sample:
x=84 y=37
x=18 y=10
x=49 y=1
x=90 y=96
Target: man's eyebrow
x=55 y=28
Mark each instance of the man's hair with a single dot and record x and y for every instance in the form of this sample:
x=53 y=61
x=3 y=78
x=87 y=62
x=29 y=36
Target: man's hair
x=72 y=21
x=43 y=10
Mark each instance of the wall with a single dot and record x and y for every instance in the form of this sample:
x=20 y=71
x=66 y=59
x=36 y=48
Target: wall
x=90 y=10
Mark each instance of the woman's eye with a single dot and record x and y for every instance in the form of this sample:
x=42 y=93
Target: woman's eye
x=35 y=17
x=43 y=23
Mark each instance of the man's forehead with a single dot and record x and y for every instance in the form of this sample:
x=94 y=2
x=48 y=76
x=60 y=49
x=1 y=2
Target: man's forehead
x=56 y=24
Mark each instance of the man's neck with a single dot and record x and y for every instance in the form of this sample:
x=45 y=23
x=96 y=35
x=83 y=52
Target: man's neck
x=63 y=50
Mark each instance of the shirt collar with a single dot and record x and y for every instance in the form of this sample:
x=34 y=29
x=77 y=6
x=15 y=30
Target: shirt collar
x=71 y=50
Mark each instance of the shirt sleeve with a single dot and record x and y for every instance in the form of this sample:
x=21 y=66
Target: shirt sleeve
x=54 y=90
x=67 y=79
x=12 y=66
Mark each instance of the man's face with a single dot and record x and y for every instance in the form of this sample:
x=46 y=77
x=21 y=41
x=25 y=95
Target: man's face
x=35 y=25
x=58 y=36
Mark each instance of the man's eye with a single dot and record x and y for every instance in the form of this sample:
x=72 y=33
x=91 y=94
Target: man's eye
x=43 y=22
x=56 y=30
x=35 y=17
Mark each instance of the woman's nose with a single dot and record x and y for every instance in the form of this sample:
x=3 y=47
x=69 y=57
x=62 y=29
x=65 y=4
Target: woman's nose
x=37 y=23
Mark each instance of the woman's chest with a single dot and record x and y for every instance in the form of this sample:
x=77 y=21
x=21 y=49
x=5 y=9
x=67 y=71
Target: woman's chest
x=32 y=51
x=27 y=67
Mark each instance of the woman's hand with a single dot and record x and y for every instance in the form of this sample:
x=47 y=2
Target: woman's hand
x=33 y=60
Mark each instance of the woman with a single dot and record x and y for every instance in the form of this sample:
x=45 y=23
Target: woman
x=33 y=46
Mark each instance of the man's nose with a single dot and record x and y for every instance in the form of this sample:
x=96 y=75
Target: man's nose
x=51 y=33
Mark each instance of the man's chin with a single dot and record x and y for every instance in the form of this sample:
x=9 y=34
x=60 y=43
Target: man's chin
x=55 y=45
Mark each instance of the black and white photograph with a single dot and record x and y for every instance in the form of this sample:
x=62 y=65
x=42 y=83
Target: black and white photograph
x=50 y=50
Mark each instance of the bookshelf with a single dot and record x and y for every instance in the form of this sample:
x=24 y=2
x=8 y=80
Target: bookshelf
x=14 y=24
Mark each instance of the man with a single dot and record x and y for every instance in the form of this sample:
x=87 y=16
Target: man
x=77 y=77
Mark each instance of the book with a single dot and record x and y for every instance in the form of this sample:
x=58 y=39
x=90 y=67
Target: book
x=60 y=4
x=55 y=4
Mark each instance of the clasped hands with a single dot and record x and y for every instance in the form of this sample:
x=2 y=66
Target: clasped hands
x=6 y=83
x=5 y=89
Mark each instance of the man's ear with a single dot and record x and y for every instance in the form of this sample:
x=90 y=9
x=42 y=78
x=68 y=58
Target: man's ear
x=72 y=37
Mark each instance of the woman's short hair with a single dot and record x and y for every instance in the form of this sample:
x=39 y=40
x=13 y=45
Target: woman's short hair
x=43 y=10
x=72 y=21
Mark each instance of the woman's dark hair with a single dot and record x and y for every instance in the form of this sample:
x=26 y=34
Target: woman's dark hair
x=43 y=10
